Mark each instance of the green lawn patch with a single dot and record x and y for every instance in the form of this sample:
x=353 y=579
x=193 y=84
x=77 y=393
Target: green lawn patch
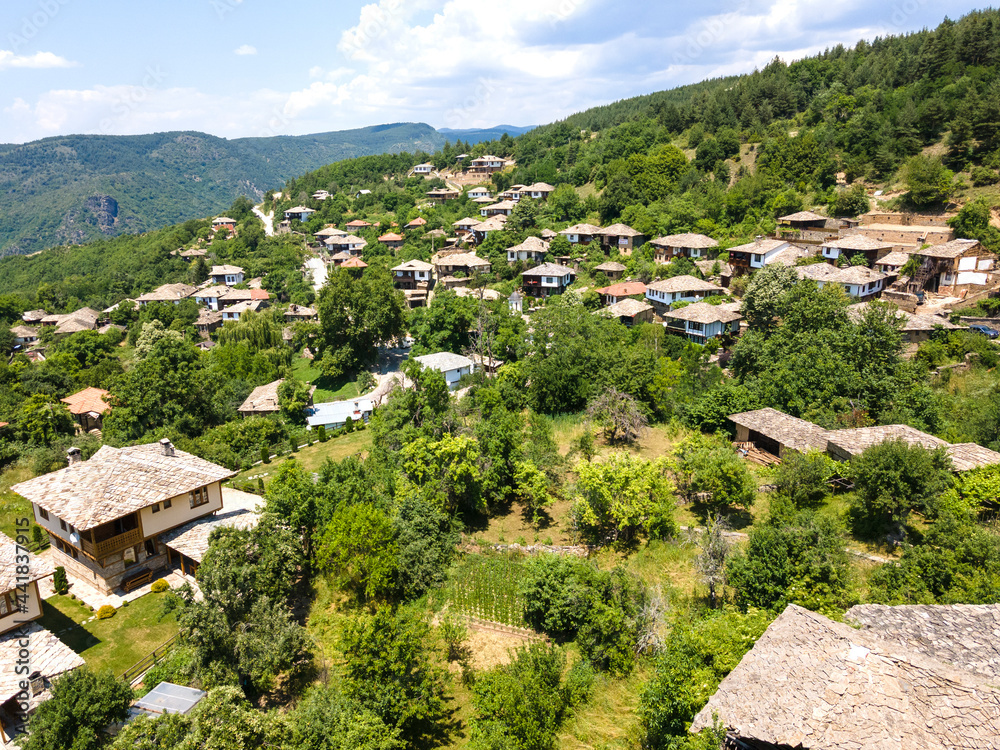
x=114 y=644
x=12 y=505
x=327 y=389
x=312 y=457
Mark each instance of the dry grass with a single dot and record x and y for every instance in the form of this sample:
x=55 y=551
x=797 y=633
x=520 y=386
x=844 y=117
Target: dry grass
x=609 y=718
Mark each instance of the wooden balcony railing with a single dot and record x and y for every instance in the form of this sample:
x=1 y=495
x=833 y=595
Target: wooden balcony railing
x=111 y=545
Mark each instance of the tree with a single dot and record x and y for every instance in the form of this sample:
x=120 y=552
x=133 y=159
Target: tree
x=388 y=669
x=852 y=202
x=447 y=472
x=524 y=216
x=359 y=548
x=709 y=468
x=623 y=496
x=564 y=204
x=271 y=644
x=618 y=415
x=326 y=720
x=426 y=540
x=711 y=560
x=43 y=419
x=803 y=477
x=82 y=705
x=894 y=477
x=762 y=302
x=444 y=325
x=928 y=181
x=293 y=397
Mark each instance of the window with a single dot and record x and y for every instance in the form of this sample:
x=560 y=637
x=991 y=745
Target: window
x=199 y=497
x=9 y=604
x=62 y=524
x=156 y=507
x=43 y=514
x=166 y=504
x=131 y=556
x=151 y=550
x=696 y=326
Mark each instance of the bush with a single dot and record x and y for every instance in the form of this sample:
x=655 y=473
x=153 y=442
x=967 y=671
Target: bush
x=265 y=455
x=159 y=586
x=709 y=466
x=802 y=478
x=106 y=612
x=982 y=176
x=322 y=434
x=60 y=582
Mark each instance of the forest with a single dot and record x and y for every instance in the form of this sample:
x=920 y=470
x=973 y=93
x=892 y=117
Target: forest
x=387 y=599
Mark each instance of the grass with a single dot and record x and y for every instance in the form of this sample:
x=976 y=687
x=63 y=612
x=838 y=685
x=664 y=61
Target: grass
x=114 y=644
x=327 y=389
x=609 y=717
x=312 y=457
x=12 y=505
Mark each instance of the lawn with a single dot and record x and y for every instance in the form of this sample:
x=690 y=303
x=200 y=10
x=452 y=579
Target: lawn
x=312 y=457
x=114 y=644
x=327 y=389
x=12 y=505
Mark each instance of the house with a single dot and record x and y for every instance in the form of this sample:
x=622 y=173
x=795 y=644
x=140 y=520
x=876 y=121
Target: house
x=621 y=237
x=24 y=335
x=347 y=243
x=629 y=311
x=916 y=329
x=325 y=232
x=452 y=366
x=617 y=292
x=486 y=164
x=756 y=254
x=84 y=319
x=301 y=213
x=88 y=408
x=208 y=321
x=505 y=208
x=167 y=293
x=234 y=296
x=264 y=400
x=299 y=313
x=776 y=433
x=664 y=292
x=489 y=366
x=234 y=312
x=687 y=245
x=843 y=444
x=538 y=191
x=466 y=224
x=581 y=234
x=391 y=240
x=425 y=168
x=513 y=193
x=321 y=195
x=32 y=317
x=546 y=280
x=356 y=225
x=891 y=263
x=701 y=321
x=478 y=192
x=909 y=677
x=859 y=282
x=802 y=221
x=612 y=269
x=466 y=263
x=714 y=269
x=515 y=302
x=954 y=267
x=493 y=224
x=440 y=195
x=412 y=275
x=210 y=296
x=905 y=232
x=354 y=263
x=532 y=250
x=104 y=515
x=189 y=255
x=416 y=223
x=228 y=275
x=224 y=222
x=187 y=544
x=31 y=657
x=334 y=415
x=855 y=244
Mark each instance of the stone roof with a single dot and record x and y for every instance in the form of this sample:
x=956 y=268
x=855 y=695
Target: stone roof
x=530 y=245
x=194 y=252
x=548 y=269
x=858 y=275
x=502 y=206
x=538 y=187
x=802 y=216
x=240 y=510
x=910 y=321
x=444 y=361
x=299 y=311
x=24 y=332
x=208 y=317
x=968 y=456
x=620 y=230
x=481 y=293
x=34 y=316
x=683 y=283
x=89 y=400
x=624 y=289
x=947 y=250
x=810 y=682
x=548 y=234
x=858 y=242
x=263 y=399
x=706 y=266
x=414 y=265
x=582 y=229
x=49 y=656
x=168 y=293
x=611 y=266
x=859 y=439
x=790 y=255
x=818 y=272
x=759 y=247
x=626 y=308
x=84 y=319
x=117 y=481
x=688 y=240
x=789 y=431
x=249 y=305
x=213 y=292
x=345 y=240
x=896 y=258
x=469 y=260
x=38 y=567
x=330 y=232
x=468 y=221
x=299 y=210
x=702 y=312
x=225 y=270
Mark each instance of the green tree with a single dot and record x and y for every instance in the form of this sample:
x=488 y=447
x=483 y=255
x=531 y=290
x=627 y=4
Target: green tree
x=444 y=325
x=42 y=419
x=803 y=478
x=325 y=720
x=927 y=180
x=709 y=467
x=762 y=302
x=293 y=397
x=359 y=548
x=82 y=705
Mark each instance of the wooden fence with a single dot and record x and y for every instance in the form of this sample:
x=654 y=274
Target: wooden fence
x=137 y=670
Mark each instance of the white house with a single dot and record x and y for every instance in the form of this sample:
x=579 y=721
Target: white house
x=702 y=321
x=228 y=275
x=546 y=280
x=334 y=415
x=299 y=212
x=425 y=168
x=859 y=282
x=532 y=249
x=663 y=293
x=452 y=366
x=756 y=254
x=581 y=234
x=538 y=191
x=478 y=192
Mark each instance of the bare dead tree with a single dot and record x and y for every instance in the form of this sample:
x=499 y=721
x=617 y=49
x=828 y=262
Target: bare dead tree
x=618 y=415
x=711 y=561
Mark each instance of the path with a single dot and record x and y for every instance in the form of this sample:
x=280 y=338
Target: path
x=268 y=220
x=317 y=268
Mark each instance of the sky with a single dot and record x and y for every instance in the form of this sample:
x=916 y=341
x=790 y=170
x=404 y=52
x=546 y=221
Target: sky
x=237 y=68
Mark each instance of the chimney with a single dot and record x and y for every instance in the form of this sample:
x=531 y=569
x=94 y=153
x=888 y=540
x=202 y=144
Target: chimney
x=73 y=456
x=167 y=447
x=758 y=238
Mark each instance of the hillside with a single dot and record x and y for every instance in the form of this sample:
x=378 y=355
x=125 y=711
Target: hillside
x=72 y=189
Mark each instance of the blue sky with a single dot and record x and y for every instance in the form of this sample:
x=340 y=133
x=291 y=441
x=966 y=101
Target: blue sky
x=248 y=68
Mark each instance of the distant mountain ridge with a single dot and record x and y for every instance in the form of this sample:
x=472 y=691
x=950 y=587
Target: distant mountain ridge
x=477 y=135
x=75 y=188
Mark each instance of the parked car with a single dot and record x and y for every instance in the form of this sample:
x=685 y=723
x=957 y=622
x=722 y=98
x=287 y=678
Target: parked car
x=984 y=330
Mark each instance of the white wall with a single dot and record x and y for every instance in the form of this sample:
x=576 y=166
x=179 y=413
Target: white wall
x=179 y=512
x=34 y=610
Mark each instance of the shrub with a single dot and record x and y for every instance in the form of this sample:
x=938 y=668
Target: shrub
x=159 y=586
x=106 y=612
x=265 y=455
x=59 y=581
x=983 y=176
x=322 y=434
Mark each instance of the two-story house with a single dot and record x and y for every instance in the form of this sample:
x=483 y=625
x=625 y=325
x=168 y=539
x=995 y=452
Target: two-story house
x=581 y=234
x=757 y=254
x=347 y=243
x=486 y=164
x=860 y=282
x=546 y=280
x=662 y=294
x=391 y=240
x=425 y=168
x=621 y=237
x=855 y=244
x=414 y=274
x=228 y=275
x=504 y=208
x=701 y=321
x=532 y=250
x=452 y=366
x=104 y=515
x=478 y=192
x=687 y=245
x=302 y=213
x=172 y=293
x=539 y=191
x=210 y=296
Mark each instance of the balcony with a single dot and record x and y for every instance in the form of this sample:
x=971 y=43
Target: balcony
x=112 y=537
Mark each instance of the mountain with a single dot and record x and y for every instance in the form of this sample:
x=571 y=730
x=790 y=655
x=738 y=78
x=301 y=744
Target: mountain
x=478 y=135
x=71 y=189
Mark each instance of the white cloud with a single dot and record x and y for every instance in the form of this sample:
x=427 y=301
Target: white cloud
x=10 y=59
x=246 y=49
